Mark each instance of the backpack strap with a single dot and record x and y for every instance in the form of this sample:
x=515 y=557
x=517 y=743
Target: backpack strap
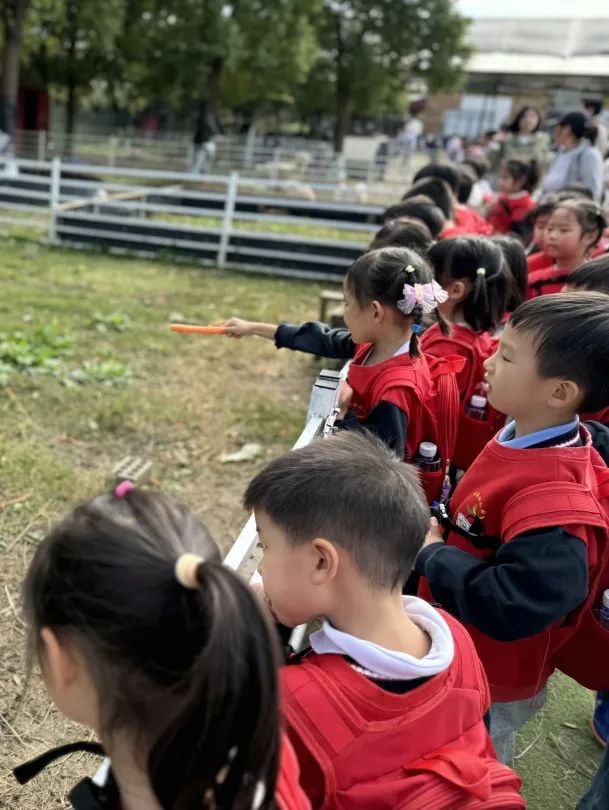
x=444 y=372
x=557 y=503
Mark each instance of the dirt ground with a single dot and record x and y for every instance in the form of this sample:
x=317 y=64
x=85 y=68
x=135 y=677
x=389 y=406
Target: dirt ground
x=188 y=401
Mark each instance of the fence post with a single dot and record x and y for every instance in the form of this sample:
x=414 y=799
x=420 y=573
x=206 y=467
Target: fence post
x=54 y=198
x=227 y=220
x=112 y=144
x=42 y=144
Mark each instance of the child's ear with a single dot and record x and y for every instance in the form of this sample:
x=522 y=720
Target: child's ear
x=58 y=662
x=565 y=394
x=378 y=311
x=458 y=290
x=326 y=561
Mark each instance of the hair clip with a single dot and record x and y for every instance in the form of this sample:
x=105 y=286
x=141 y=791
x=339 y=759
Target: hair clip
x=416 y=328
x=427 y=296
x=410 y=269
x=186 y=568
x=123 y=489
x=481 y=271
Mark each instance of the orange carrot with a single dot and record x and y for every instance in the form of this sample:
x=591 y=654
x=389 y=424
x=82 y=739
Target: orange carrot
x=194 y=329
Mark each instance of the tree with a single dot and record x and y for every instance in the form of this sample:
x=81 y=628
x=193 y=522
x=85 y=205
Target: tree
x=201 y=53
x=12 y=16
x=71 y=45
x=370 y=48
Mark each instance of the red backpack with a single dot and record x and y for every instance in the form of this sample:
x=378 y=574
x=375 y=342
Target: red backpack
x=428 y=749
x=441 y=410
x=580 y=648
x=475 y=348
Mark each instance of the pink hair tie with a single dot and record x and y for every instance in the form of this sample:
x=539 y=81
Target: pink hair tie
x=124 y=488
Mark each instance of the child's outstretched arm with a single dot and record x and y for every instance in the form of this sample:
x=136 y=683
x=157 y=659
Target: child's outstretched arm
x=531 y=582
x=312 y=337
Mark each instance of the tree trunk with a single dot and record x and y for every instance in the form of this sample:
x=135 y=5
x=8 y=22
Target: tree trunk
x=71 y=74
x=12 y=22
x=343 y=91
x=206 y=126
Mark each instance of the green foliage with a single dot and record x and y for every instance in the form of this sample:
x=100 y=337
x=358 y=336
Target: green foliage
x=42 y=352
x=114 y=322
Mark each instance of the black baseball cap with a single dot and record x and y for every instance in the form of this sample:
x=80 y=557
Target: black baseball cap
x=577 y=121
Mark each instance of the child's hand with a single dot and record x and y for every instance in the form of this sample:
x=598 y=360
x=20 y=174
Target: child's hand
x=345 y=395
x=434 y=533
x=237 y=328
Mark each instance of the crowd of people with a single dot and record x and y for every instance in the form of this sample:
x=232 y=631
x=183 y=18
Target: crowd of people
x=452 y=535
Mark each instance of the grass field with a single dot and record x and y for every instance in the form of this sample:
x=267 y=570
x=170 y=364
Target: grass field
x=103 y=377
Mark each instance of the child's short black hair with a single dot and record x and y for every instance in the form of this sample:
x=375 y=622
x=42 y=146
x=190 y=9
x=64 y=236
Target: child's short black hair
x=592 y=276
x=480 y=261
x=481 y=166
x=352 y=490
x=570 y=333
x=405 y=232
x=467 y=178
x=516 y=263
x=438 y=190
x=524 y=171
x=444 y=171
x=545 y=207
x=418 y=207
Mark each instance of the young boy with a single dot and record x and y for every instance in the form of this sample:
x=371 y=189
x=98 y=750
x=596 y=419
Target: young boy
x=536 y=485
x=390 y=702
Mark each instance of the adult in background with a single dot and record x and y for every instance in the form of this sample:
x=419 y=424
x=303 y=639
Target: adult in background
x=593 y=106
x=524 y=140
x=577 y=161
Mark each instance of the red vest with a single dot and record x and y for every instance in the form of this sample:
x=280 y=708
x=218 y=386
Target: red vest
x=547 y=280
x=598 y=416
x=475 y=347
x=508 y=211
x=469 y=221
x=288 y=793
x=513 y=492
x=366 y=748
x=539 y=260
x=425 y=393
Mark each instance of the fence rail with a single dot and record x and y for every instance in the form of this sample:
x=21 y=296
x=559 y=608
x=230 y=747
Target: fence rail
x=223 y=220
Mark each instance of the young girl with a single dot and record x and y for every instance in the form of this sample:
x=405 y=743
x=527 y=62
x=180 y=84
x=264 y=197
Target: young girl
x=509 y=214
x=405 y=232
x=539 y=218
x=472 y=271
x=391 y=390
x=418 y=207
x=146 y=638
x=573 y=230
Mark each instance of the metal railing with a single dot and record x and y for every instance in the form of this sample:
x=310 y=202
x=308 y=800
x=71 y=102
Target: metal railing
x=222 y=220
x=289 y=158
x=243 y=556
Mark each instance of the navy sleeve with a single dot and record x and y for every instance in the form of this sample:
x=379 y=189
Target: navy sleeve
x=315 y=337
x=532 y=582
x=600 y=439
x=386 y=421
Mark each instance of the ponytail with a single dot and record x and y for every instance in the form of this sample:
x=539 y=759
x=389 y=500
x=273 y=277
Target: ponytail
x=381 y=275
x=480 y=262
x=182 y=657
x=221 y=749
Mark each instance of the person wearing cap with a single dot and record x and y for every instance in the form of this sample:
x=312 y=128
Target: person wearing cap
x=593 y=107
x=576 y=161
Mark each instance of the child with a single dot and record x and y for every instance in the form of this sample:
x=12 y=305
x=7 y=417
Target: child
x=472 y=272
x=404 y=232
x=387 y=708
x=481 y=191
x=539 y=218
x=526 y=535
x=465 y=220
x=509 y=214
x=145 y=637
x=441 y=195
x=391 y=390
x=574 y=228
x=421 y=208
x=592 y=276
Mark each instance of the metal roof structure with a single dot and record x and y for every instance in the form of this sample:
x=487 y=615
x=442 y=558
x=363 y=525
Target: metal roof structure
x=541 y=47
